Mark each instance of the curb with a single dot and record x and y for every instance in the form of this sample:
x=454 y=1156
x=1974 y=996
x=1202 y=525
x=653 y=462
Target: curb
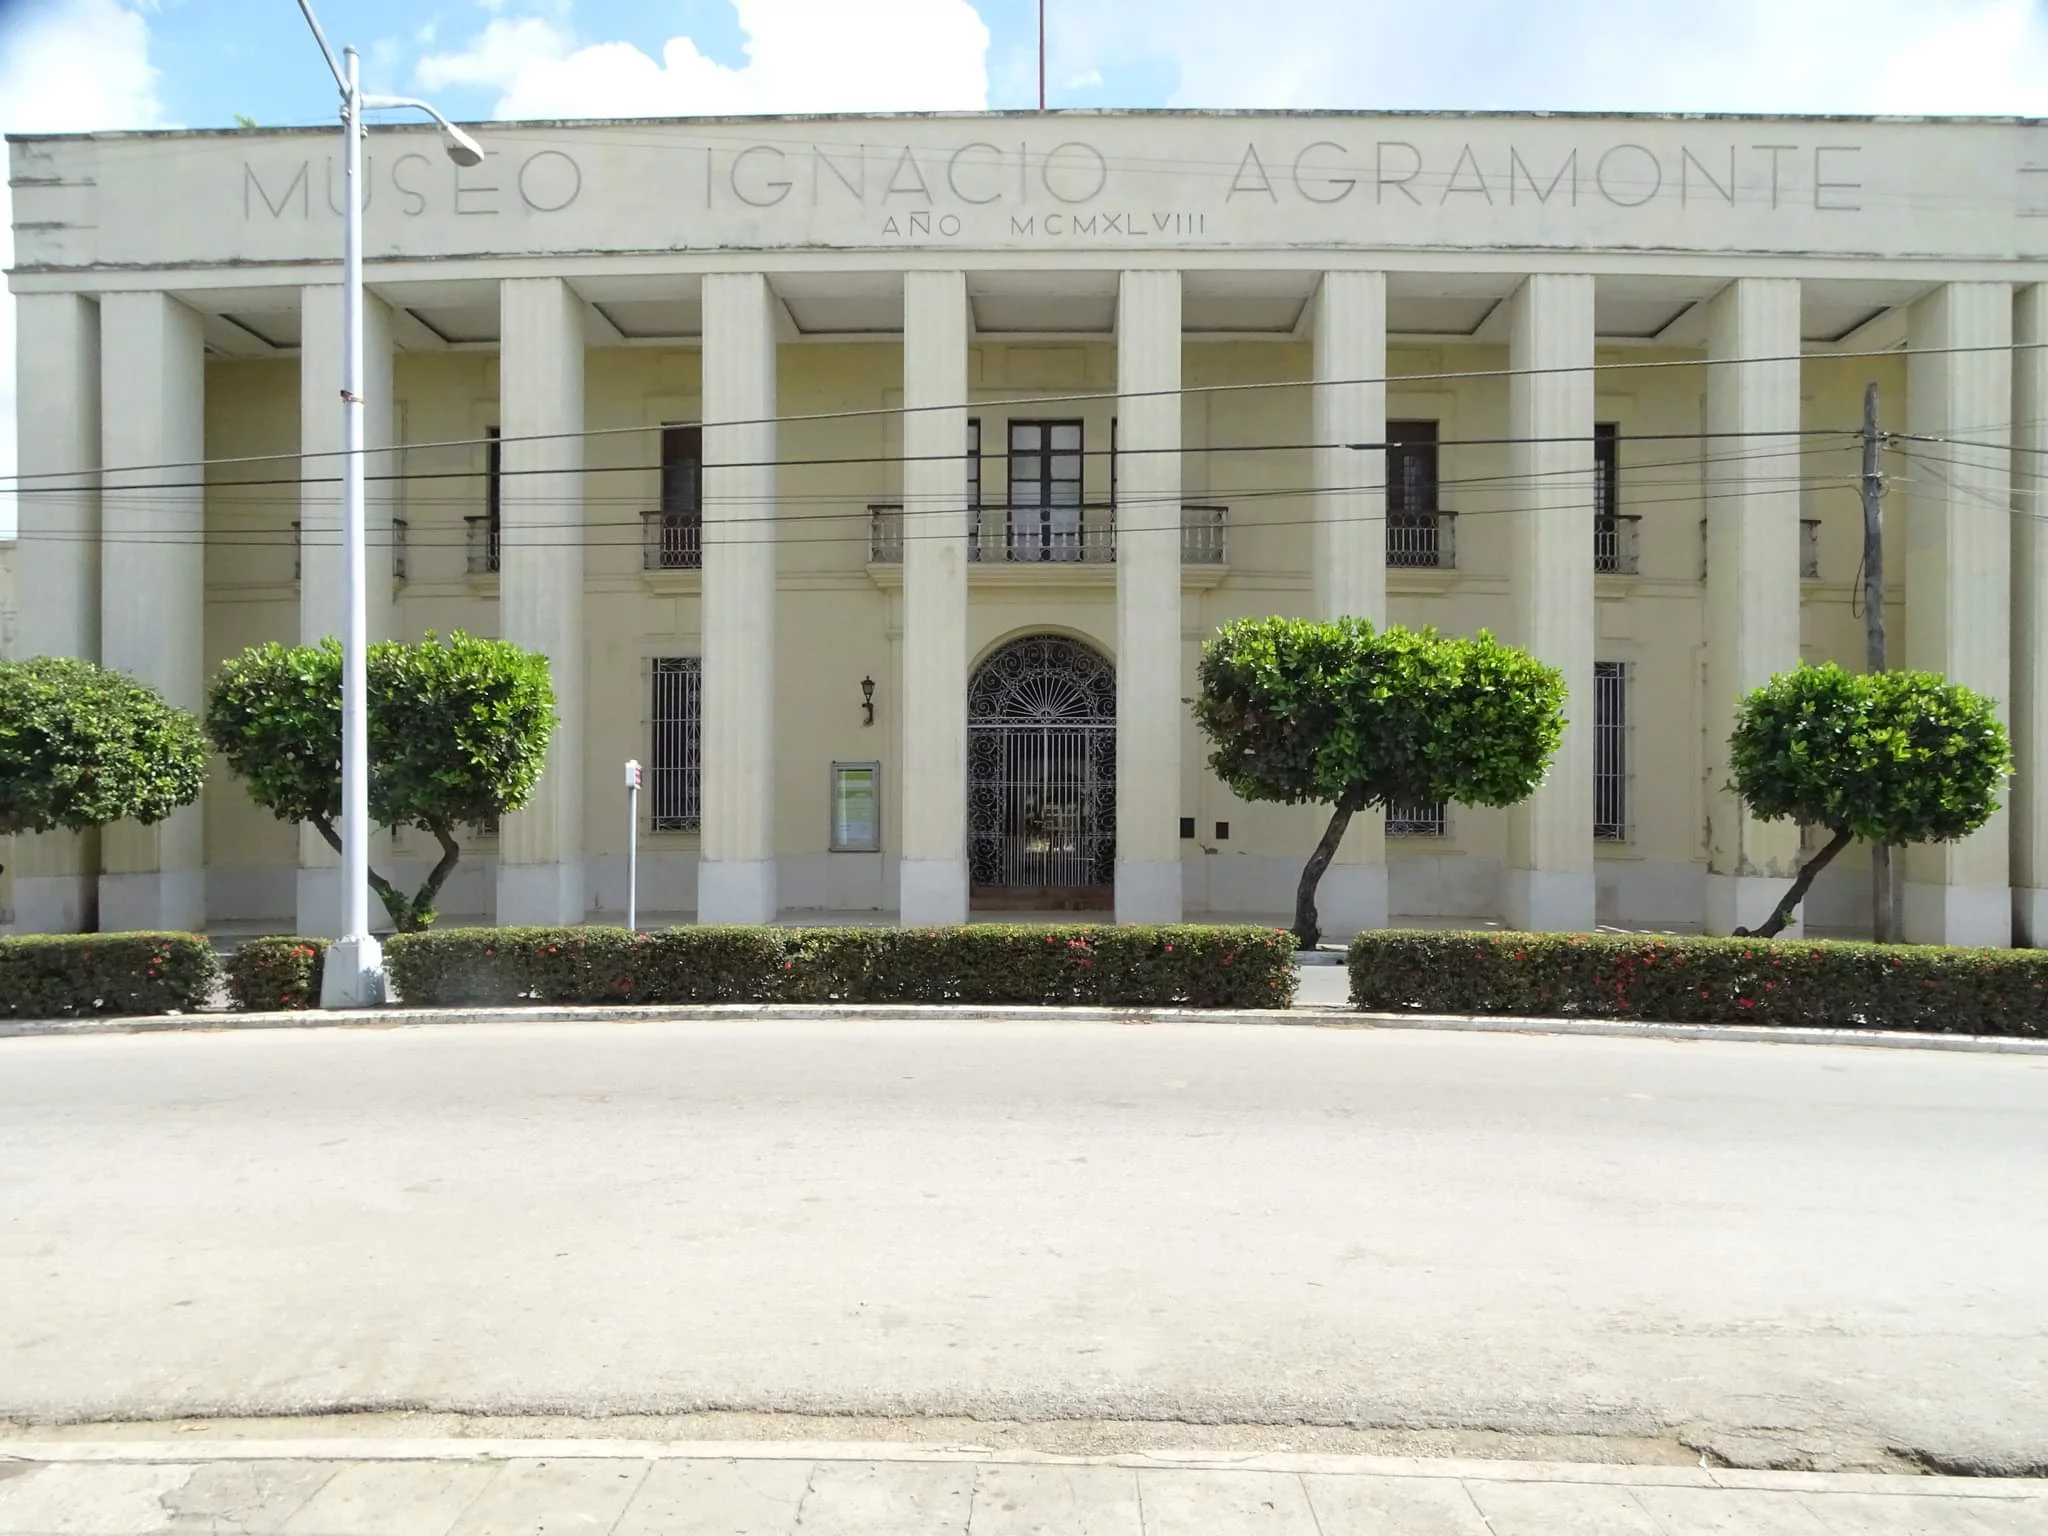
x=185 y=1452
x=1309 y=1017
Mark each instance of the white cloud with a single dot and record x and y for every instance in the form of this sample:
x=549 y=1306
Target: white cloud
x=1850 y=56
x=65 y=66
x=802 y=56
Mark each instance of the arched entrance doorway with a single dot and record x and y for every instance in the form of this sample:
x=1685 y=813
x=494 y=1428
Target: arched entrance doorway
x=1041 y=777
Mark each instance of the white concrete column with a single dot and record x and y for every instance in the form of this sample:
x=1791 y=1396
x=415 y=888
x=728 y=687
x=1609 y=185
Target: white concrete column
x=540 y=582
x=1149 y=711
x=736 y=865
x=57 y=563
x=933 y=862
x=152 y=578
x=1752 y=573
x=1958 y=587
x=1351 y=540
x=1550 y=418
x=322 y=584
x=2028 y=797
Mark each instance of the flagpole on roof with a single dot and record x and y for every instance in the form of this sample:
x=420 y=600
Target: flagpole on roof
x=1041 y=55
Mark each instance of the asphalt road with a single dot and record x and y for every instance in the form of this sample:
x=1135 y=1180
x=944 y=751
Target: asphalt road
x=1256 y=1225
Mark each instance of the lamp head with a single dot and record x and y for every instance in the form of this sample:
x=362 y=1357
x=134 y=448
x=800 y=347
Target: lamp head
x=462 y=149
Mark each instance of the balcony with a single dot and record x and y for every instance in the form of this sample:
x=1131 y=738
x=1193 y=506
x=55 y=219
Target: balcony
x=480 y=546
x=1055 y=536
x=1422 y=541
x=1615 y=545
x=671 y=541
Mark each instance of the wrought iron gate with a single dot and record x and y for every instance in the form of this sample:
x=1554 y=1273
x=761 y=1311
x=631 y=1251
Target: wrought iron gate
x=1041 y=769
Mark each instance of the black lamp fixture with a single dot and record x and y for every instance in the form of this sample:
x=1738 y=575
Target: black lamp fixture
x=867 y=699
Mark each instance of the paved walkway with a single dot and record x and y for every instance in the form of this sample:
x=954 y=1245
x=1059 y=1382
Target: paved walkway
x=495 y=1488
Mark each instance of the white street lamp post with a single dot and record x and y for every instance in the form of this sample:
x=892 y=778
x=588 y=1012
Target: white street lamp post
x=353 y=976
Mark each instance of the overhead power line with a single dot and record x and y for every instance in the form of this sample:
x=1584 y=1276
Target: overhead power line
x=18 y=481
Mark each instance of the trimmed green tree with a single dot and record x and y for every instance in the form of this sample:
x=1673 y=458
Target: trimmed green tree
x=1890 y=757
x=1340 y=714
x=82 y=747
x=459 y=731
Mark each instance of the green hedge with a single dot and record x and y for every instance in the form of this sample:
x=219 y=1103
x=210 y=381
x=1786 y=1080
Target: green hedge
x=1813 y=984
x=44 y=976
x=1238 y=967
x=268 y=975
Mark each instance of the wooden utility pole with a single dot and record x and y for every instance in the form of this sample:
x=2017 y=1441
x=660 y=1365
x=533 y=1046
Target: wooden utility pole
x=1882 y=926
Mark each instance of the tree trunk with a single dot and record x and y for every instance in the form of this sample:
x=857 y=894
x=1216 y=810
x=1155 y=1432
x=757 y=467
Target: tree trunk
x=423 y=903
x=1308 y=928
x=1789 y=902
x=395 y=904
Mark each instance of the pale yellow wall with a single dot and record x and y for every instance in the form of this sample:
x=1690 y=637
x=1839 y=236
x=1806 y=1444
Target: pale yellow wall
x=838 y=623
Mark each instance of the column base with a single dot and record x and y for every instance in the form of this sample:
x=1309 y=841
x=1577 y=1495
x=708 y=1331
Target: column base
x=1746 y=901
x=316 y=912
x=2029 y=916
x=1976 y=916
x=1352 y=899
x=55 y=903
x=1549 y=901
x=540 y=895
x=352 y=974
x=736 y=891
x=931 y=893
x=1148 y=890
x=158 y=900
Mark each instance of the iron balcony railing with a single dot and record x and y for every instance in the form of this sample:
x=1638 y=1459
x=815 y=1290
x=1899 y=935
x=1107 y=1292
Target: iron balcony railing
x=480 y=545
x=1422 y=541
x=1614 y=544
x=1080 y=535
x=671 y=541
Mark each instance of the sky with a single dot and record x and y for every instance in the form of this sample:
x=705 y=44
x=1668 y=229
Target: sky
x=73 y=65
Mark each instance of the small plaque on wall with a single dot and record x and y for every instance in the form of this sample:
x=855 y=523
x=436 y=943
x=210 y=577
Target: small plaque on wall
x=856 y=807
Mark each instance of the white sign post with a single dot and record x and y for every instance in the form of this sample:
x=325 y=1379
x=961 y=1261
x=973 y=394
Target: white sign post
x=632 y=846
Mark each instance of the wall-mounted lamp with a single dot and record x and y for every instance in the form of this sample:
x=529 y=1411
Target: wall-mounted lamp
x=867 y=699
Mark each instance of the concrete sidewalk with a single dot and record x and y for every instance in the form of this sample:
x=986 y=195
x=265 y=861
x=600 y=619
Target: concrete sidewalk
x=638 y=1488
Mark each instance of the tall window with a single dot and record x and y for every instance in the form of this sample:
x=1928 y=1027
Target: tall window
x=974 y=463
x=1610 y=751
x=1613 y=545
x=486 y=558
x=1412 y=538
x=1606 y=470
x=682 y=497
x=676 y=744
x=1045 y=490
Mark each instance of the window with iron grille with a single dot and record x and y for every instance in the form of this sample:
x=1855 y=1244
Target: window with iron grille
x=676 y=744
x=494 y=473
x=682 y=496
x=1610 y=751
x=1412 y=494
x=1415 y=820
